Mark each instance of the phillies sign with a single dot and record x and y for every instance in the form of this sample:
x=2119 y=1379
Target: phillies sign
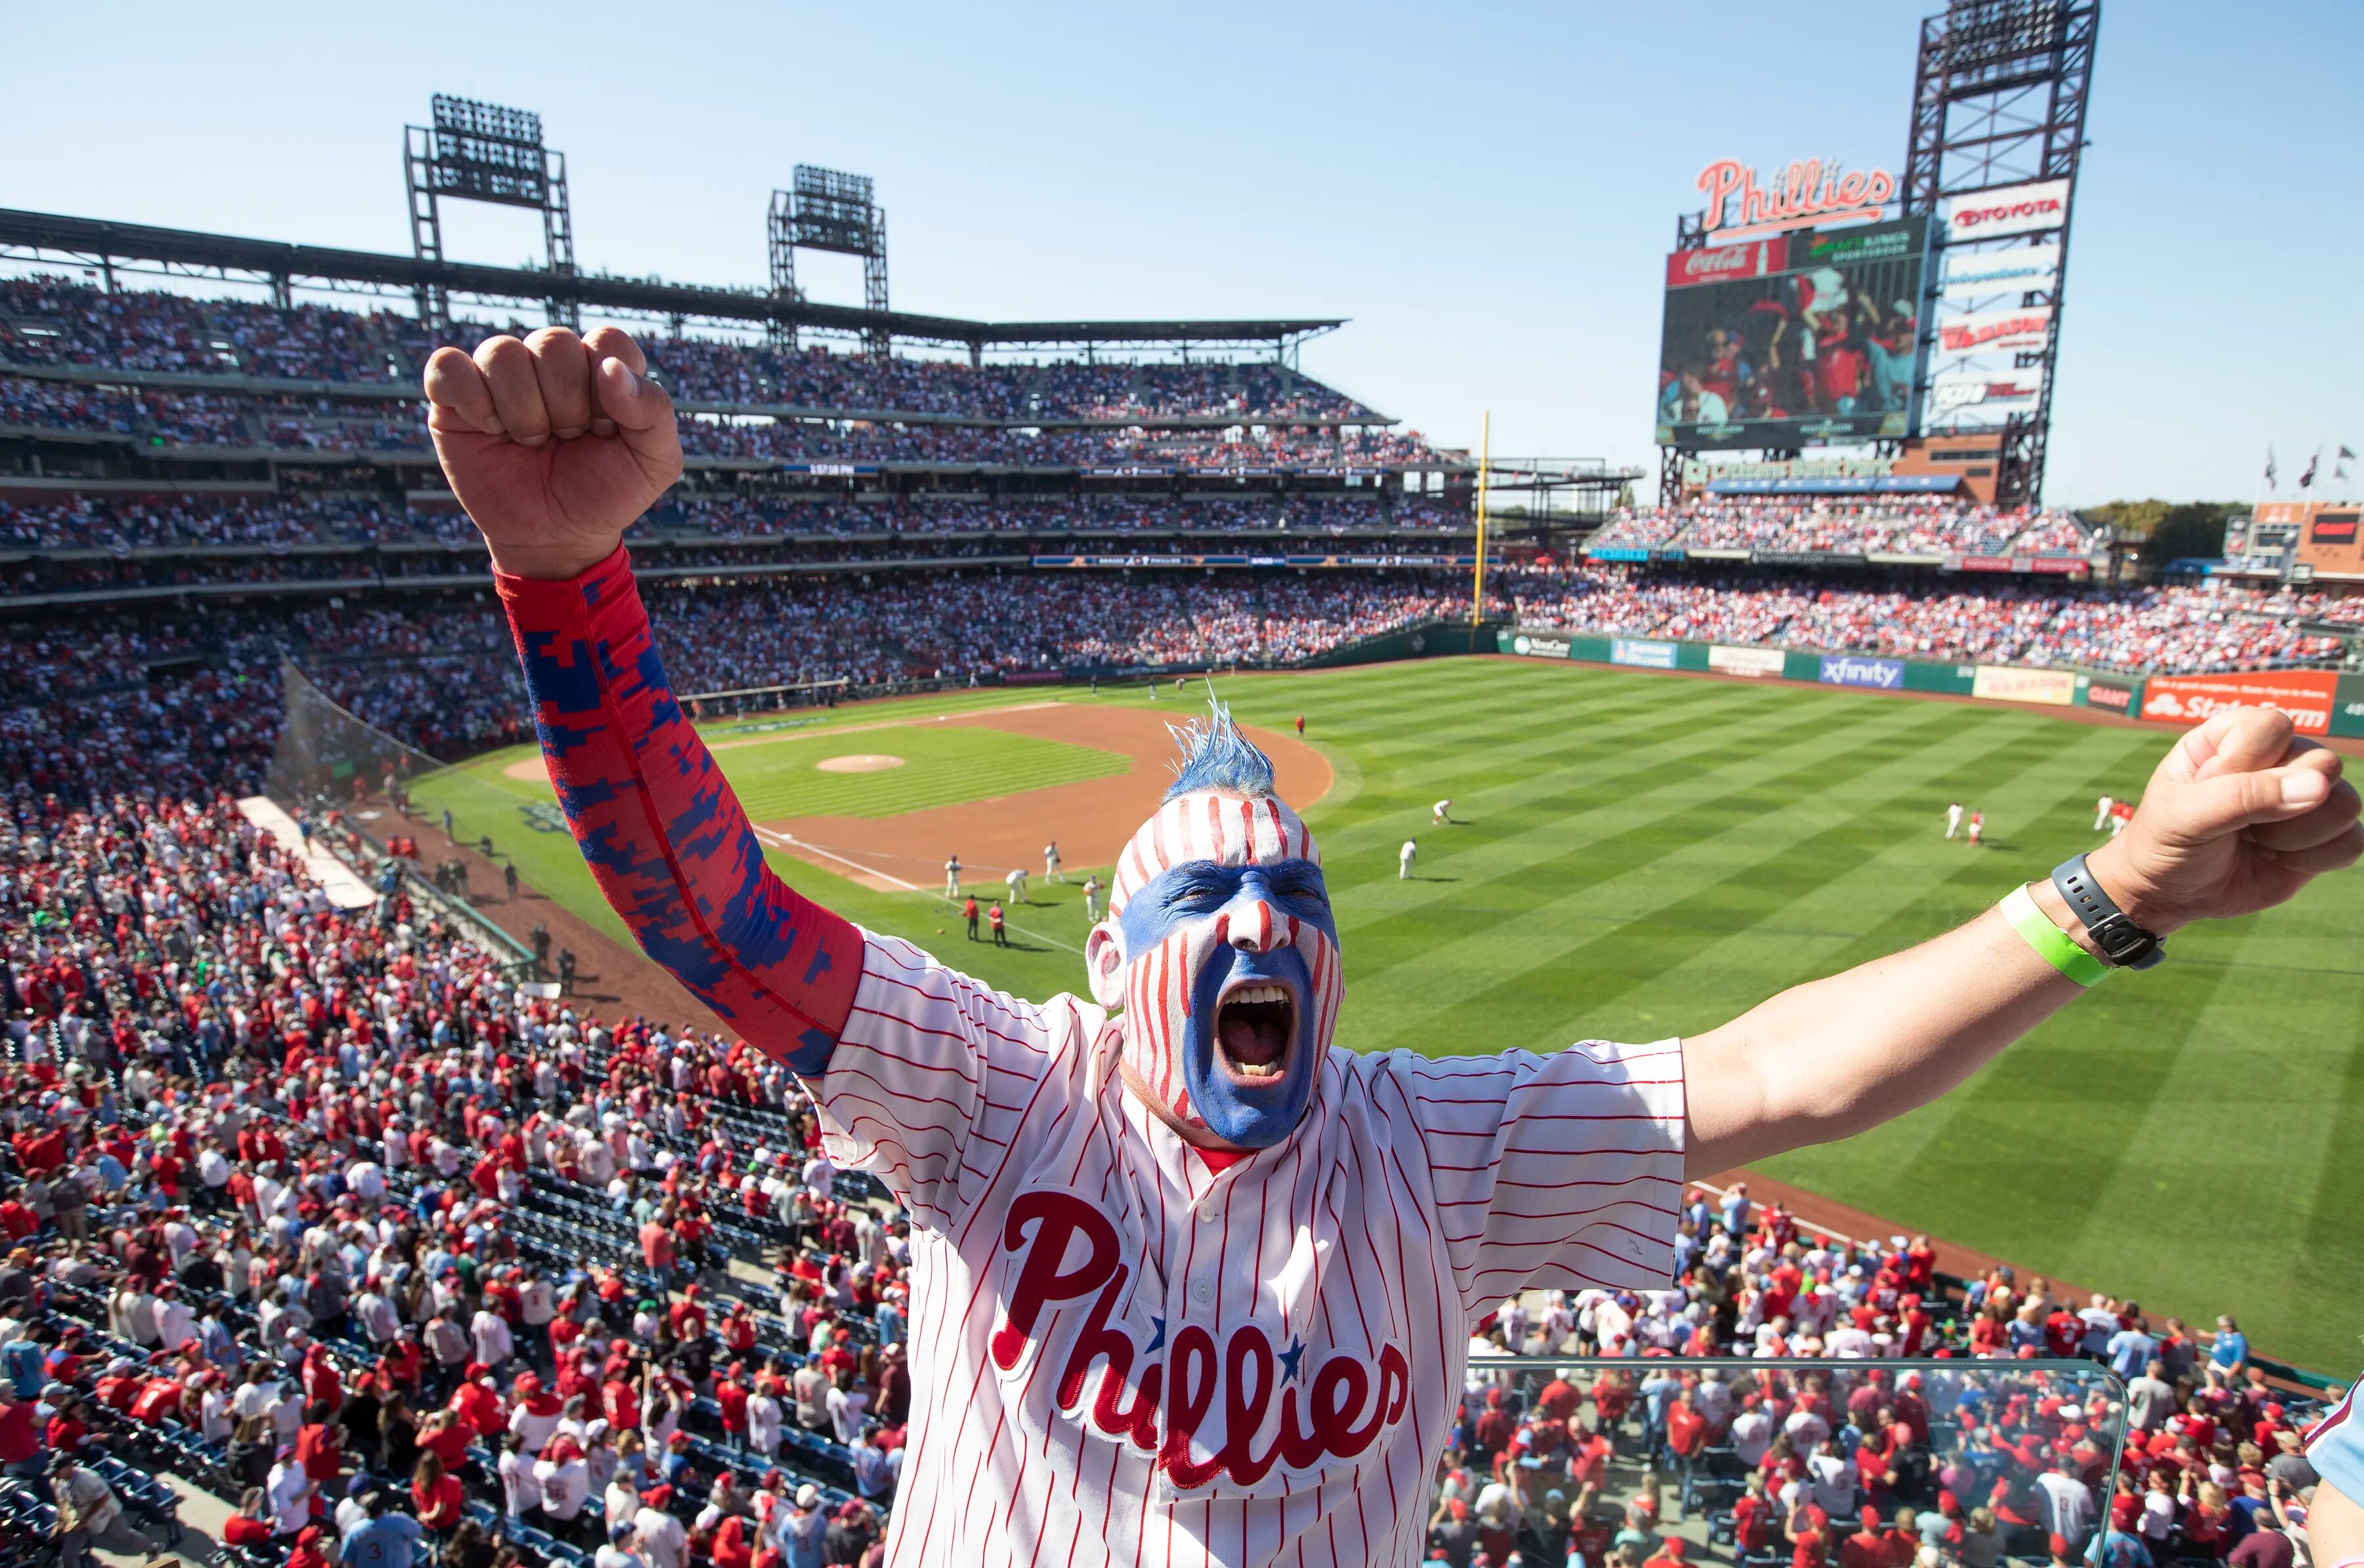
x=1728 y=263
x=1809 y=192
x=2015 y=209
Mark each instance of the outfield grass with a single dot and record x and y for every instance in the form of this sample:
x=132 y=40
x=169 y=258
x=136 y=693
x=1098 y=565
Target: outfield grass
x=1640 y=856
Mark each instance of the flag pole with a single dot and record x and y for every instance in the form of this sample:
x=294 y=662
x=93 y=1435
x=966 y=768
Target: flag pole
x=1485 y=463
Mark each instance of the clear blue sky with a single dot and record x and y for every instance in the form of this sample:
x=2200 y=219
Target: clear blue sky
x=1486 y=190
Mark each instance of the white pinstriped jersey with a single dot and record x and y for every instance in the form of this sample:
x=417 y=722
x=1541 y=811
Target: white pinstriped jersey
x=1121 y=1356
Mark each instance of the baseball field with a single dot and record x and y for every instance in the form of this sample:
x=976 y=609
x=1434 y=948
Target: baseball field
x=1635 y=856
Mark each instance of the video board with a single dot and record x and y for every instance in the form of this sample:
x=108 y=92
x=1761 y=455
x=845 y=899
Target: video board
x=1794 y=339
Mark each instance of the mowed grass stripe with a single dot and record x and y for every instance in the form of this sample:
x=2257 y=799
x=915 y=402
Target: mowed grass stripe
x=2262 y=1070
x=1698 y=755
x=1791 y=911
x=1634 y=870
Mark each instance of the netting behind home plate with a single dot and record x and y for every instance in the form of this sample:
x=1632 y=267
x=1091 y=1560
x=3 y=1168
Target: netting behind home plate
x=322 y=748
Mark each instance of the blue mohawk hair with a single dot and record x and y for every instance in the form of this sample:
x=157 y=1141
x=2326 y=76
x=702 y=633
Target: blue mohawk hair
x=1215 y=755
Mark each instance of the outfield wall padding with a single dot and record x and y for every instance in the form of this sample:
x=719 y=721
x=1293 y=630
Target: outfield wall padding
x=1999 y=682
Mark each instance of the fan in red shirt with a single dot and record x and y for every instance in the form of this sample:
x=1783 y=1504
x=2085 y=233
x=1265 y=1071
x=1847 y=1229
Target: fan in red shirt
x=1865 y=1548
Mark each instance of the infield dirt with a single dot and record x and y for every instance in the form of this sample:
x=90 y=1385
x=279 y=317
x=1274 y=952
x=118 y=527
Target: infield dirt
x=1090 y=820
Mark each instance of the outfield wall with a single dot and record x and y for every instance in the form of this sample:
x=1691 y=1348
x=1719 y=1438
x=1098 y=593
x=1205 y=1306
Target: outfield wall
x=2319 y=701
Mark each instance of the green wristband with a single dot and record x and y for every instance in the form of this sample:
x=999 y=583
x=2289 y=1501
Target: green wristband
x=2050 y=942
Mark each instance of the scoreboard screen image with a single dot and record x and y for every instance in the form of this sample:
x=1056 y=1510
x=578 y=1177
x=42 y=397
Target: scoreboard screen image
x=1794 y=339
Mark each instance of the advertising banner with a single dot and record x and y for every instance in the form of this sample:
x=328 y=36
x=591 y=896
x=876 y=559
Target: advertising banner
x=2001 y=682
x=1727 y=263
x=2305 y=694
x=2333 y=527
x=1848 y=669
x=2015 y=270
x=2347 y=706
x=1952 y=391
x=2117 y=696
x=1757 y=664
x=1533 y=644
x=1730 y=372
x=1982 y=331
x=1642 y=654
x=2015 y=209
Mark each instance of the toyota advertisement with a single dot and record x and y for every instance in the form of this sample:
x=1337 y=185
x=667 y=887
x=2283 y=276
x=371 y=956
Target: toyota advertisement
x=1794 y=339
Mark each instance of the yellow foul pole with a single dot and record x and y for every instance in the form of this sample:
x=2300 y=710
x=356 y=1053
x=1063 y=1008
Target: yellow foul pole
x=1485 y=461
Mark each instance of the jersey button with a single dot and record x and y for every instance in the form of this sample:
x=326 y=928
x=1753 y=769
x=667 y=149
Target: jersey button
x=1206 y=1211
x=1202 y=1293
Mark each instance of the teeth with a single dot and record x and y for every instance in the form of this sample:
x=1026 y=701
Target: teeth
x=1259 y=993
x=1269 y=1070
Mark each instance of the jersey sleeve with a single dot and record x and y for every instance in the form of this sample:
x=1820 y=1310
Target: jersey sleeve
x=1559 y=1171
x=2336 y=1448
x=662 y=833
x=936 y=1074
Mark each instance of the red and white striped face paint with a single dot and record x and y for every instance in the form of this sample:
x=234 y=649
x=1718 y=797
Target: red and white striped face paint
x=1191 y=940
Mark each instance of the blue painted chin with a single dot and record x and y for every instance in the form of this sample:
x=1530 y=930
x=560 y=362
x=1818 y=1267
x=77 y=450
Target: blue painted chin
x=1253 y=1113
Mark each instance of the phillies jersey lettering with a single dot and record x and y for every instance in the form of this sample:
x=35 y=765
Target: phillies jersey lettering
x=1123 y=1356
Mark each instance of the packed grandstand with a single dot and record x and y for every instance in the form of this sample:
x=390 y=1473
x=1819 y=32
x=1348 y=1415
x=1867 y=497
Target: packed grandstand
x=377 y=1234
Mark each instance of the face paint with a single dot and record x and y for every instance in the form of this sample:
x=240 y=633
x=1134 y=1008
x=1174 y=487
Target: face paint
x=1221 y=950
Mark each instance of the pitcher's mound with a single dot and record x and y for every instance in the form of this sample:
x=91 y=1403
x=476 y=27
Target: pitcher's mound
x=859 y=763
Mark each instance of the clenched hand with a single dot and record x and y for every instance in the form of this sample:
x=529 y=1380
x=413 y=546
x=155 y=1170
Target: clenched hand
x=554 y=444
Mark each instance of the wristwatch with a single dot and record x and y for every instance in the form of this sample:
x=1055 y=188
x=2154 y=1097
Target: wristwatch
x=2123 y=943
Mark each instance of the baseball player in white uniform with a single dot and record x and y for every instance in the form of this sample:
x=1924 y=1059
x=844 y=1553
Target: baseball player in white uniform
x=1192 y=1282
x=1092 y=897
x=2101 y=812
x=1051 y=862
x=1016 y=882
x=1404 y=857
x=1953 y=818
x=952 y=877
x=1439 y=814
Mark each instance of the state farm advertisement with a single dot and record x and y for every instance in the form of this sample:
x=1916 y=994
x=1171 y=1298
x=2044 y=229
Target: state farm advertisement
x=2305 y=694
x=2015 y=209
x=1979 y=331
x=1728 y=263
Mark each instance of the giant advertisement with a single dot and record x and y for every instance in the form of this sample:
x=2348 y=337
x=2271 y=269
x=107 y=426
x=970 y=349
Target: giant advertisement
x=2014 y=271
x=1794 y=339
x=2305 y=694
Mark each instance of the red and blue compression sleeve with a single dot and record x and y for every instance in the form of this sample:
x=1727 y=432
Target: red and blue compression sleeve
x=660 y=828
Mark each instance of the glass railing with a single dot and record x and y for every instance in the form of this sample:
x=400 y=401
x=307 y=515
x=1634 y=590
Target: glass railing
x=1658 y=1461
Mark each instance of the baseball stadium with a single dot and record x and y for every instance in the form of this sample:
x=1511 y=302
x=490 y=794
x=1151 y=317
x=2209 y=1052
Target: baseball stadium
x=658 y=924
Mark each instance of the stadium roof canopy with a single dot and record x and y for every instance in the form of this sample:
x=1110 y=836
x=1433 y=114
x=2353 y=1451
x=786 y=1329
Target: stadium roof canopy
x=97 y=243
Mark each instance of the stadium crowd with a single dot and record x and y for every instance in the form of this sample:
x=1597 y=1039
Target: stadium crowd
x=341 y=516
x=49 y=321
x=2185 y=629
x=325 y=1210
x=1844 y=525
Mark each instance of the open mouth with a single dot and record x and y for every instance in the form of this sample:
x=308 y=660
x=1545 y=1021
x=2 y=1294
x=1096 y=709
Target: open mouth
x=1254 y=1024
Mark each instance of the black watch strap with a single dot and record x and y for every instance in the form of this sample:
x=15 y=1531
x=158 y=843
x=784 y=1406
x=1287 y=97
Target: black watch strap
x=2123 y=943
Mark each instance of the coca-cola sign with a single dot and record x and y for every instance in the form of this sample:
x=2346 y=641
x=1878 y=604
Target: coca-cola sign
x=1809 y=192
x=1728 y=263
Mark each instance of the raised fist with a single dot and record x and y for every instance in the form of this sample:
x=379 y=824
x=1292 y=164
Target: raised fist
x=2240 y=816
x=554 y=444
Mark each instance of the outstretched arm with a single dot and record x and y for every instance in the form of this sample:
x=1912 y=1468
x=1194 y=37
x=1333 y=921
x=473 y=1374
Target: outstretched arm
x=2237 y=818
x=555 y=445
